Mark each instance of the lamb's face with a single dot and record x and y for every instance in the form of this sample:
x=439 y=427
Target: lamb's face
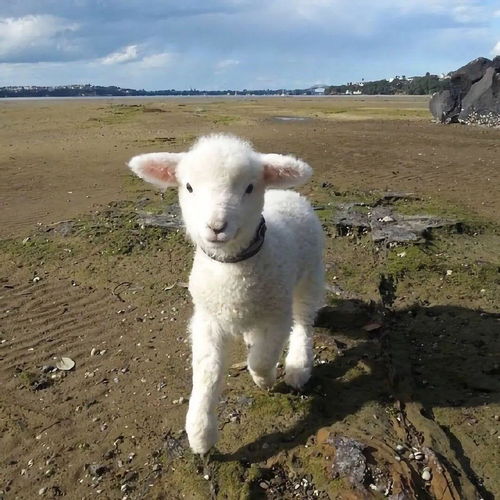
x=221 y=182
x=221 y=194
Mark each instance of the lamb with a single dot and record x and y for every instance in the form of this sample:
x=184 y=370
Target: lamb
x=257 y=272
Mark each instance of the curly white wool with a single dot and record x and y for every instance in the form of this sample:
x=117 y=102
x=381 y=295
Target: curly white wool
x=224 y=189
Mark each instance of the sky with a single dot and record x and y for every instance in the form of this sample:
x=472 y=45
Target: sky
x=239 y=44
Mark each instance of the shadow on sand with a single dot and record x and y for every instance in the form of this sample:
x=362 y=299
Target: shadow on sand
x=438 y=357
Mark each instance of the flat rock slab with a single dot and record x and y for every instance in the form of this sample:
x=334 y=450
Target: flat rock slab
x=170 y=219
x=386 y=225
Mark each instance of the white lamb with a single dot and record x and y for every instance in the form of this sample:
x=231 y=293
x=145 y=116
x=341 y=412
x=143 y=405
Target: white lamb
x=263 y=286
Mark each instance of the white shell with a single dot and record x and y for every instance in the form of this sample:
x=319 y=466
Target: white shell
x=65 y=364
x=426 y=475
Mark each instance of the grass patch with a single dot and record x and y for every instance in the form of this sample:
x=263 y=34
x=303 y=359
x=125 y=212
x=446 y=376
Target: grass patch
x=37 y=250
x=223 y=119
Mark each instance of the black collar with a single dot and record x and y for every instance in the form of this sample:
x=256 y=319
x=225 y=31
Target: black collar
x=250 y=251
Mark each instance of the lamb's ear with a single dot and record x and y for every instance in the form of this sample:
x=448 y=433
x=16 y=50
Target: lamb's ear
x=156 y=168
x=282 y=171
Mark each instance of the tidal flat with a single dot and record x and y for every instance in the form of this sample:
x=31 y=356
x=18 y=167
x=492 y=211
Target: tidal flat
x=407 y=348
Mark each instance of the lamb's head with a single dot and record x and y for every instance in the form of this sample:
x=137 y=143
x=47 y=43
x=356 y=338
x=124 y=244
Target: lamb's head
x=221 y=182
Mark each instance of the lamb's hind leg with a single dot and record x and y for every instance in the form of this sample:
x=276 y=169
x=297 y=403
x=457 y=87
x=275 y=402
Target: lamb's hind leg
x=308 y=298
x=265 y=346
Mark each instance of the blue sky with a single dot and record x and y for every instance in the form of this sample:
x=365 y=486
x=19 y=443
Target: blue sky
x=220 y=44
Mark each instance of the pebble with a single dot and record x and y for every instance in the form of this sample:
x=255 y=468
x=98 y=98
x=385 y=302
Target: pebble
x=206 y=477
x=400 y=448
x=426 y=474
x=419 y=455
x=42 y=491
x=93 y=351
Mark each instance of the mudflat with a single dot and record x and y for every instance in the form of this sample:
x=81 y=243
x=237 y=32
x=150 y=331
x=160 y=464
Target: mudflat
x=406 y=351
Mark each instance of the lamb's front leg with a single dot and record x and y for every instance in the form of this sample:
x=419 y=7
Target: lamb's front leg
x=209 y=355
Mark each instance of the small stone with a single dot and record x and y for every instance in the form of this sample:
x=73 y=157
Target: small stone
x=426 y=474
x=42 y=491
x=206 y=477
x=449 y=272
x=156 y=467
x=419 y=455
x=263 y=485
x=400 y=448
x=387 y=218
x=36 y=279
x=97 y=469
x=93 y=351
x=397 y=458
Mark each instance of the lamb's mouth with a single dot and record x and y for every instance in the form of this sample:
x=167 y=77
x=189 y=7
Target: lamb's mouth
x=222 y=238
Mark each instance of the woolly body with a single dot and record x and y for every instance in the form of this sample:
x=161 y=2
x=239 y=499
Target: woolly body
x=262 y=286
x=224 y=189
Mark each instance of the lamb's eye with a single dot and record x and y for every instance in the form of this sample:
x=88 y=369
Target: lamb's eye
x=249 y=189
x=189 y=188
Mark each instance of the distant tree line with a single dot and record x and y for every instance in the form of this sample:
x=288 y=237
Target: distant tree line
x=427 y=84
x=103 y=91
x=418 y=85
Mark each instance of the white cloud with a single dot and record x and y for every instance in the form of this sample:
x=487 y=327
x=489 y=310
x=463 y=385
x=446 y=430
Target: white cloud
x=226 y=63
x=127 y=54
x=496 y=13
x=31 y=32
x=156 y=60
x=496 y=49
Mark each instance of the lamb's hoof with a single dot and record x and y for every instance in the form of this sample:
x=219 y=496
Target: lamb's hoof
x=264 y=382
x=297 y=377
x=202 y=434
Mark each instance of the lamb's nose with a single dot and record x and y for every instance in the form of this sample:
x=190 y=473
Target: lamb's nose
x=218 y=227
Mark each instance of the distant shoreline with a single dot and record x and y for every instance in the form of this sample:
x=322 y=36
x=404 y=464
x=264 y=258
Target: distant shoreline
x=232 y=97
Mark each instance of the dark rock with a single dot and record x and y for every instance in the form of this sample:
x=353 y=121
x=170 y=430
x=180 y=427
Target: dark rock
x=444 y=106
x=463 y=78
x=496 y=63
x=64 y=228
x=170 y=219
x=387 y=227
x=482 y=100
x=473 y=97
x=174 y=447
x=97 y=469
x=349 y=461
x=348 y=217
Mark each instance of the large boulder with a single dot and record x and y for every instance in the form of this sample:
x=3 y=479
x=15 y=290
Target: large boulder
x=463 y=78
x=474 y=94
x=444 y=106
x=481 y=105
